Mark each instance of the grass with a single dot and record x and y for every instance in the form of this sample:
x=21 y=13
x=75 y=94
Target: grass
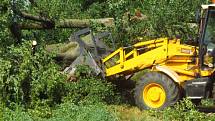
x=65 y=112
x=130 y=113
x=95 y=109
x=183 y=111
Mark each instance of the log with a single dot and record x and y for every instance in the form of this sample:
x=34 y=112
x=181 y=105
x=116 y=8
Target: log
x=68 y=23
x=35 y=18
x=37 y=26
x=82 y=23
x=41 y=22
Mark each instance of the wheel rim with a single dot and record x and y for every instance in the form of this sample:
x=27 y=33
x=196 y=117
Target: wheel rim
x=154 y=95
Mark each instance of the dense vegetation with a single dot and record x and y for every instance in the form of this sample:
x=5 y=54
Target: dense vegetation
x=31 y=85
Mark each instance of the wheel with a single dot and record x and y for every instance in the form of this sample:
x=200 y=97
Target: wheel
x=156 y=90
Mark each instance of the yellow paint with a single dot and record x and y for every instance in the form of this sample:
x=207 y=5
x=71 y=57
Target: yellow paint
x=179 y=61
x=154 y=95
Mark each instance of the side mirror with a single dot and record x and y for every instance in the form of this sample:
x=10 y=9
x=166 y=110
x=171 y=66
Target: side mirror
x=198 y=16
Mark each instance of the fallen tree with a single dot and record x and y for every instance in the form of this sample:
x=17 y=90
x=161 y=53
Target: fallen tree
x=38 y=22
x=67 y=23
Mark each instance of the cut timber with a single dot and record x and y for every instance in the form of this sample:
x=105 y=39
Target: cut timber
x=27 y=26
x=81 y=23
x=68 y=51
x=65 y=51
x=35 y=18
x=42 y=22
x=68 y=23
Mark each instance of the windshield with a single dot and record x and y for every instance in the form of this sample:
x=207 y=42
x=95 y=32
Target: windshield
x=209 y=37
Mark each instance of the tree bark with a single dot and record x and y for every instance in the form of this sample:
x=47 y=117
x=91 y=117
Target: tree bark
x=68 y=23
x=81 y=23
x=27 y=26
x=35 y=18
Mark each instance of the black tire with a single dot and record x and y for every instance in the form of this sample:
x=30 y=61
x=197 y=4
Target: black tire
x=171 y=89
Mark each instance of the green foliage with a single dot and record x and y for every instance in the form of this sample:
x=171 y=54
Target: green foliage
x=89 y=89
x=83 y=71
x=207 y=102
x=28 y=77
x=31 y=85
x=69 y=111
x=165 y=18
x=17 y=115
x=184 y=110
x=5 y=21
x=65 y=112
x=33 y=80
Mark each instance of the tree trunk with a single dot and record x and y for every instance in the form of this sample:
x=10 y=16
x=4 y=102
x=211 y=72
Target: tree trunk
x=35 y=18
x=81 y=23
x=68 y=23
x=27 y=26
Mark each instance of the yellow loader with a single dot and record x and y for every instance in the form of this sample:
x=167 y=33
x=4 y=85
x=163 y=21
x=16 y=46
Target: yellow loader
x=176 y=70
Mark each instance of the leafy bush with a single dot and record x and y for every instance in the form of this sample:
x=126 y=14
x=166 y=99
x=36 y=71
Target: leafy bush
x=27 y=78
x=5 y=36
x=90 y=89
x=166 y=20
x=69 y=111
x=33 y=81
x=184 y=110
x=163 y=19
x=83 y=92
x=17 y=115
x=84 y=72
x=65 y=112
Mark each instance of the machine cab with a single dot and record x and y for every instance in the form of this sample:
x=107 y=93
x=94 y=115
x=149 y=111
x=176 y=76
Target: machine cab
x=207 y=36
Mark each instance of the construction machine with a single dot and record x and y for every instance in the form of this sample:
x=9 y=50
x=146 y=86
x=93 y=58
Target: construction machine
x=175 y=70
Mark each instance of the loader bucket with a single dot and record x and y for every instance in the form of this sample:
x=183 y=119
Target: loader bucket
x=90 y=52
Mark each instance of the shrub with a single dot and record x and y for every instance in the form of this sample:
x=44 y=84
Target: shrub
x=184 y=110
x=26 y=78
x=69 y=111
x=17 y=115
x=90 y=89
x=64 y=112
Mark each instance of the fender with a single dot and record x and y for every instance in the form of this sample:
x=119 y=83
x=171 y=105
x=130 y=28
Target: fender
x=173 y=75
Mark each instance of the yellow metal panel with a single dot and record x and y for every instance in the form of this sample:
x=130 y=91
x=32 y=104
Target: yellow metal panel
x=150 y=42
x=206 y=72
x=140 y=62
x=122 y=56
x=135 y=52
x=177 y=77
x=175 y=57
x=111 y=55
x=184 y=78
